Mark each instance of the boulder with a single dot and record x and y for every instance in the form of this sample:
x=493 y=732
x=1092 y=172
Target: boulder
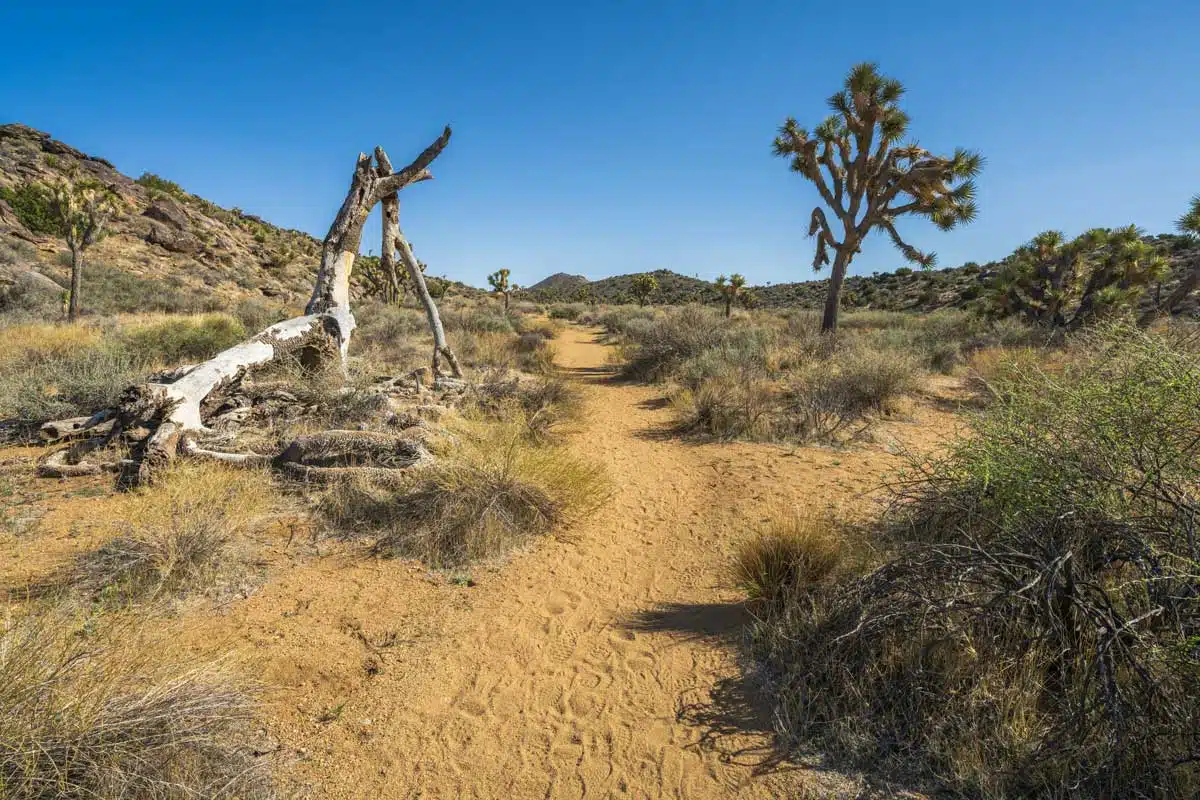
x=169 y=212
x=168 y=239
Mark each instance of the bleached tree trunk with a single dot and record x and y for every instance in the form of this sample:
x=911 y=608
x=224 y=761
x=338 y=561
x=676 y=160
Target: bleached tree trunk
x=328 y=321
x=393 y=242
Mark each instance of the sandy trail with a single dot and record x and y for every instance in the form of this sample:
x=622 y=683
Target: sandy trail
x=600 y=664
x=588 y=667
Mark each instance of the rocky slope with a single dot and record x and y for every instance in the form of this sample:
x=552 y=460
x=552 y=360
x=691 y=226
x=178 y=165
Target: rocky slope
x=172 y=249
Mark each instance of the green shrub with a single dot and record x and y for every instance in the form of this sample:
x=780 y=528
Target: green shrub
x=154 y=183
x=570 y=311
x=185 y=339
x=31 y=203
x=1034 y=631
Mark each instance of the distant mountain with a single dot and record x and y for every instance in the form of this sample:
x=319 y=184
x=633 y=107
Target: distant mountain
x=560 y=282
x=903 y=290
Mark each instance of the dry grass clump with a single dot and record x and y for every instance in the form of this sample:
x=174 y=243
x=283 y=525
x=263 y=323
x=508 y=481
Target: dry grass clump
x=86 y=714
x=183 y=535
x=655 y=346
x=1034 y=631
x=790 y=556
x=547 y=406
x=491 y=492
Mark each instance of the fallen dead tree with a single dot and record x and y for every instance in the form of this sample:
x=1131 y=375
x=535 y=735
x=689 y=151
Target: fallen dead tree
x=166 y=417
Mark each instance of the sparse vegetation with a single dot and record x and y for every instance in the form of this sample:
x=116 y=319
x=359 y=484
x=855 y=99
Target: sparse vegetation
x=89 y=710
x=491 y=492
x=1032 y=631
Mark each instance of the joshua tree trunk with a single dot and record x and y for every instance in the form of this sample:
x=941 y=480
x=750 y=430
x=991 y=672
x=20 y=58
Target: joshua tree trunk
x=1189 y=284
x=833 y=299
x=505 y=302
x=728 y=307
x=76 y=283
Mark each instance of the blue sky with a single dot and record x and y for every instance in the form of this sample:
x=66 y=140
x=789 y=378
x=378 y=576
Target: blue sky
x=613 y=137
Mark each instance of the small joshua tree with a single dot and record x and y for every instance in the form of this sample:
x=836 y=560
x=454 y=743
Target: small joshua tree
x=82 y=211
x=1054 y=283
x=499 y=283
x=730 y=290
x=868 y=181
x=643 y=286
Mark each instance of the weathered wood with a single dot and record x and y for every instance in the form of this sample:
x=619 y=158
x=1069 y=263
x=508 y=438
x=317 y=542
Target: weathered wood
x=393 y=242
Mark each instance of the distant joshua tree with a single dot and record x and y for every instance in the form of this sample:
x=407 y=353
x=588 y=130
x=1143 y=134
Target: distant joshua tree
x=643 y=286
x=81 y=211
x=868 y=181
x=500 y=285
x=730 y=289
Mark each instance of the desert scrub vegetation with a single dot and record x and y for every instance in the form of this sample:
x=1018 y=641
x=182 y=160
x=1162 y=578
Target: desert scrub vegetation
x=87 y=710
x=50 y=371
x=764 y=377
x=490 y=490
x=187 y=534
x=1032 y=629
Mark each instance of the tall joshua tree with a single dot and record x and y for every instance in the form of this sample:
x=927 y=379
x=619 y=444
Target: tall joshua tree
x=82 y=211
x=868 y=180
x=498 y=280
x=730 y=288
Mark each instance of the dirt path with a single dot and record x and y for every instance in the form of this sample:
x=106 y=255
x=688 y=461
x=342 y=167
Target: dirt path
x=599 y=665
x=585 y=669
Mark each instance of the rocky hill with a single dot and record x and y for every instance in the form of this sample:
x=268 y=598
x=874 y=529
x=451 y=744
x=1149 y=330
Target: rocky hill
x=560 y=283
x=169 y=250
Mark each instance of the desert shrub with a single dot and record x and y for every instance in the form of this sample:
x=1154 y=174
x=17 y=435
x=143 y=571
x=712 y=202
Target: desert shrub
x=616 y=320
x=494 y=350
x=534 y=353
x=656 y=348
x=179 y=339
x=789 y=557
x=729 y=405
x=31 y=202
x=183 y=535
x=256 y=315
x=569 y=311
x=490 y=493
x=158 y=184
x=544 y=405
x=77 y=383
x=531 y=325
x=1034 y=632
x=475 y=320
x=108 y=290
x=86 y=713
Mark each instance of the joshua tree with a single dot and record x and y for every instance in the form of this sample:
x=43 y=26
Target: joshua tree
x=499 y=283
x=1189 y=226
x=643 y=286
x=730 y=289
x=82 y=211
x=1059 y=284
x=868 y=181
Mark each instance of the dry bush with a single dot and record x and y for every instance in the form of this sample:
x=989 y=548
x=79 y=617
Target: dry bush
x=547 y=406
x=491 y=492
x=790 y=556
x=1034 y=632
x=823 y=399
x=729 y=406
x=183 y=535
x=85 y=713
x=656 y=346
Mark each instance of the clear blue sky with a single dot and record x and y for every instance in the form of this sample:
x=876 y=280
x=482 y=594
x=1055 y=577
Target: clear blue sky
x=619 y=136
